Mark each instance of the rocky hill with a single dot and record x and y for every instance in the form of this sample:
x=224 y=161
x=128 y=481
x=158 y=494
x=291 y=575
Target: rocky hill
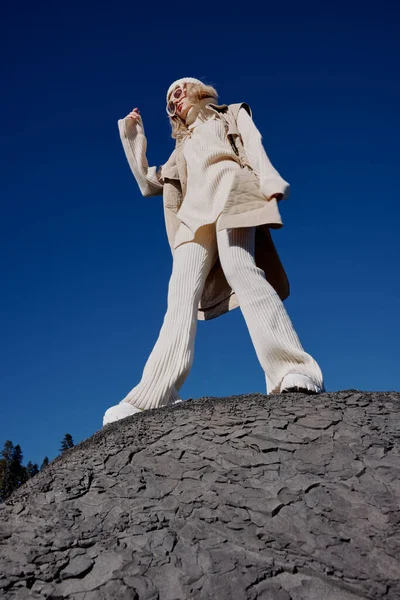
x=285 y=497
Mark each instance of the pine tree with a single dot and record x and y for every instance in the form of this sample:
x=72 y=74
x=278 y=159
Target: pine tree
x=18 y=471
x=12 y=471
x=67 y=443
x=44 y=463
x=2 y=478
x=6 y=476
x=31 y=470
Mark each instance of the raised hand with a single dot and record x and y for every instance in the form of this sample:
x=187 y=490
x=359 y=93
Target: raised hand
x=134 y=115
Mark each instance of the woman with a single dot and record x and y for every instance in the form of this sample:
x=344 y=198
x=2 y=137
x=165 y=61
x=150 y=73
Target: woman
x=220 y=200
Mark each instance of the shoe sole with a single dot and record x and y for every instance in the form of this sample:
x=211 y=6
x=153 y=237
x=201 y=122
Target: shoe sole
x=299 y=390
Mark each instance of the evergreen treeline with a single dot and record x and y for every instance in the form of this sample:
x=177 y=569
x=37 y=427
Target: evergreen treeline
x=66 y=443
x=13 y=473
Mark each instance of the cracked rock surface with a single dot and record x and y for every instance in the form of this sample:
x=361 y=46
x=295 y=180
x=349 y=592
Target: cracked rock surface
x=285 y=497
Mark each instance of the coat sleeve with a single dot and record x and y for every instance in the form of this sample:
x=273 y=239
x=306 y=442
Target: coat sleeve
x=135 y=144
x=270 y=181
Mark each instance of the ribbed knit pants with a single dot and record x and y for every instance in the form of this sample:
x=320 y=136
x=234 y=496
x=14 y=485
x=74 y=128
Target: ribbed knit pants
x=275 y=341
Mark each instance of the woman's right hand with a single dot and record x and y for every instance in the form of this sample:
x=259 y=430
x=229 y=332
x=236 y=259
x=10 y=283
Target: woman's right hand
x=134 y=116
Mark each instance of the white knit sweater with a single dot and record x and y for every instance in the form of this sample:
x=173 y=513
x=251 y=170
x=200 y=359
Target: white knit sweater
x=211 y=165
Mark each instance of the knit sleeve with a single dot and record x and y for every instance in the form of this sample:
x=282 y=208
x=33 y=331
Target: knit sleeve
x=135 y=144
x=270 y=181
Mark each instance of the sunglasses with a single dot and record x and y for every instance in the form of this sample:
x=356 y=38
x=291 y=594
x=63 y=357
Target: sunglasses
x=176 y=94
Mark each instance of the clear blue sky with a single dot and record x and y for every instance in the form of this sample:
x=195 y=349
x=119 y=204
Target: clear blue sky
x=84 y=258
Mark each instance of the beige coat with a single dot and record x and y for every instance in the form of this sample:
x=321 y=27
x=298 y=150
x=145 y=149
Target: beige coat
x=246 y=206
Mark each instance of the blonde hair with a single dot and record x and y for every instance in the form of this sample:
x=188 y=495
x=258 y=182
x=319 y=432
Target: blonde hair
x=195 y=92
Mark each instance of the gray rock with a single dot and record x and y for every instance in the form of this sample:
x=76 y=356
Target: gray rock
x=77 y=567
x=286 y=497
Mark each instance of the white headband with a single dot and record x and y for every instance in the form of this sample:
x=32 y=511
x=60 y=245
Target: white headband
x=183 y=80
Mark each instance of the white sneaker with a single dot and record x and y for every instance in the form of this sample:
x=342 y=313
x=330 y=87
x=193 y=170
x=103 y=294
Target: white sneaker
x=119 y=411
x=123 y=410
x=296 y=382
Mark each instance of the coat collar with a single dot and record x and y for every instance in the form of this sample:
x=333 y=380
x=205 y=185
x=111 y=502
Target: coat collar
x=217 y=107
